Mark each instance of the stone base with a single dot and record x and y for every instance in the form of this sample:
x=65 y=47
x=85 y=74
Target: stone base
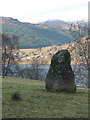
x=70 y=89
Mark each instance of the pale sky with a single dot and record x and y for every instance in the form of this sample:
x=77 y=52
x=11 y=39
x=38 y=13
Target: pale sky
x=35 y=11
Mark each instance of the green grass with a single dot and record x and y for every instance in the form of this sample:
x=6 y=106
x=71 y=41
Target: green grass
x=36 y=102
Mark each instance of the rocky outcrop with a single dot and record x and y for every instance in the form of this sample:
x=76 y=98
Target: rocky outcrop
x=60 y=76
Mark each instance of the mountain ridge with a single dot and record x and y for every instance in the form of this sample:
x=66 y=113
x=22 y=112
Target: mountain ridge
x=36 y=35
x=15 y=20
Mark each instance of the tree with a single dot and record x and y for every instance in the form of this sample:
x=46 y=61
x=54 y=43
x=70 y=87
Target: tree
x=80 y=31
x=34 y=70
x=9 y=44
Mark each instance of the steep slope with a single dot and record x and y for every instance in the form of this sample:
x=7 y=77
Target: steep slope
x=33 y=36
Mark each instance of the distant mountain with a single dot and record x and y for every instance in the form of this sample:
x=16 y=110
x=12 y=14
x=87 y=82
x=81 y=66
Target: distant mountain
x=9 y=20
x=55 y=22
x=35 y=35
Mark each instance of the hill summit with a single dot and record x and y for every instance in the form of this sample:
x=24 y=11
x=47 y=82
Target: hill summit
x=55 y=22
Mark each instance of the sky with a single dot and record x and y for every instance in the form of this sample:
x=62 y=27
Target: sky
x=35 y=11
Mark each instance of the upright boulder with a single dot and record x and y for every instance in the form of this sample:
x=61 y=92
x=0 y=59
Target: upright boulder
x=60 y=76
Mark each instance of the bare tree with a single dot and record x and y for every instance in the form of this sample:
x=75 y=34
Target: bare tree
x=34 y=70
x=8 y=46
x=79 y=32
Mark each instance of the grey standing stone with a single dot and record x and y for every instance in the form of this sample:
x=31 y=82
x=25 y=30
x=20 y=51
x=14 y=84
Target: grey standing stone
x=60 y=76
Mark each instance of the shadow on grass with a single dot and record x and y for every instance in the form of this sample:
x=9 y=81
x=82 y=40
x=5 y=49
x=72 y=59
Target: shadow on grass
x=62 y=92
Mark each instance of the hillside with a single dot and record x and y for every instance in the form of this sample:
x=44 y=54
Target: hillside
x=45 y=54
x=37 y=103
x=36 y=35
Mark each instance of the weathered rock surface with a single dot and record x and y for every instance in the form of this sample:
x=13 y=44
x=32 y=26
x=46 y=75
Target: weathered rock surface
x=60 y=76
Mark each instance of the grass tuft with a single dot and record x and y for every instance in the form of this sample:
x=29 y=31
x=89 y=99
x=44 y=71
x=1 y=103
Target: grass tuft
x=16 y=96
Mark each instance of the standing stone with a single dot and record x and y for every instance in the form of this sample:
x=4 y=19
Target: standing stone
x=60 y=76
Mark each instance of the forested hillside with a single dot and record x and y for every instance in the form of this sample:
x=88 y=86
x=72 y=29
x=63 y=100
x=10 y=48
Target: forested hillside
x=36 y=35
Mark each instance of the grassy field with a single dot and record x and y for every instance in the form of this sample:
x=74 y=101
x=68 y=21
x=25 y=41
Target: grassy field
x=38 y=103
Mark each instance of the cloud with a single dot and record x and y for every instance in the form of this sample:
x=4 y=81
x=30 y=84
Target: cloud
x=38 y=10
